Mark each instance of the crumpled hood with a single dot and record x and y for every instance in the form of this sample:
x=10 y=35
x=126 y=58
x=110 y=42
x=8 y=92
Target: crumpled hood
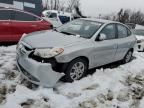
x=44 y=39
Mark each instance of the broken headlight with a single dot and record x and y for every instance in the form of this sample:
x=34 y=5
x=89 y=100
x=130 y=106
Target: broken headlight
x=48 y=53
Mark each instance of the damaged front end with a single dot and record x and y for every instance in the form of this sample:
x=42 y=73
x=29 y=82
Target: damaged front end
x=35 y=69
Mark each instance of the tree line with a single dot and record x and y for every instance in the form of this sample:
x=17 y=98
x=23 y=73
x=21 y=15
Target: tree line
x=123 y=15
x=62 y=5
x=127 y=16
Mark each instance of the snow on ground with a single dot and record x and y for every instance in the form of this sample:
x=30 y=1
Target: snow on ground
x=120 y=87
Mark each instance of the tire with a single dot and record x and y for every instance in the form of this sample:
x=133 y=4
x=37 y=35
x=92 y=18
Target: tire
x=76 y=70
x=128 y=56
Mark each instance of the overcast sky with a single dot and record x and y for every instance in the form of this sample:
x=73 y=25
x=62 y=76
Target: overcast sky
x=96 y=7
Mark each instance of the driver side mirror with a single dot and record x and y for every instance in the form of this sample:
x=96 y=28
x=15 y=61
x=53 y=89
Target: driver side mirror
x=102 y=37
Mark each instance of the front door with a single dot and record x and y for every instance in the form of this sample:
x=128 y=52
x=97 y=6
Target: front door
x=105 y=50
x=125 y=41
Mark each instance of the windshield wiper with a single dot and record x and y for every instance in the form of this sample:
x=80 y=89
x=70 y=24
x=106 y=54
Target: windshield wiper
x=67 y=33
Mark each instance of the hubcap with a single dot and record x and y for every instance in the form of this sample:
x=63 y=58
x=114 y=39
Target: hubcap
x=128 y=57
x=77 y=70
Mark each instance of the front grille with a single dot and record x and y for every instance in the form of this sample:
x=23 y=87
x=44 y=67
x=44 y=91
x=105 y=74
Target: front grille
x=28 y=74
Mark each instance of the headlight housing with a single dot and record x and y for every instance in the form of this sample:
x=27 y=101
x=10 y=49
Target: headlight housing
x=48 y=53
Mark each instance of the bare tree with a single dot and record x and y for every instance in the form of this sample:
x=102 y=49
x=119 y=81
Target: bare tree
x=72 y=4
x=137 y=17
x=126 y=16
x=123 y=16
x=52 y=4
x=69 y=6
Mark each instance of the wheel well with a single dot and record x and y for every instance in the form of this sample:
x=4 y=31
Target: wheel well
x=84 y=58
x=61 y=67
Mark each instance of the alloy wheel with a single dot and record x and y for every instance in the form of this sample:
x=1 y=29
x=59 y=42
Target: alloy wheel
x=77 y=70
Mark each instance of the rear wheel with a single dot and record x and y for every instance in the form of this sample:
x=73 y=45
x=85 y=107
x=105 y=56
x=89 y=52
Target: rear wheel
x=128 y=56
x=76 y=70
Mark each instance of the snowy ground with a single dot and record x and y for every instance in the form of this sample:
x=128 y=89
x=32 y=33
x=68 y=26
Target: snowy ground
x=120 y=87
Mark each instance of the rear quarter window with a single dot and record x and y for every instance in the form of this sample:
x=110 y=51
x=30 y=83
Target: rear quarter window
x=53 y=15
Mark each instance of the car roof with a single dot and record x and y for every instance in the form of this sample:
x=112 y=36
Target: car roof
x=100 y=20
x=59 y=12
x=104 y=21
x=18 y=10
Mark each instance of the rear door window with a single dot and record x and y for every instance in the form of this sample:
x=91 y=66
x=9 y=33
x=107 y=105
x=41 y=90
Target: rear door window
x=5 y=14
x=53 y=15
x=21 y=16
x=122 y=31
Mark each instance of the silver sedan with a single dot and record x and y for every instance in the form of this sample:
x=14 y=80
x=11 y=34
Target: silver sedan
x=69 y=51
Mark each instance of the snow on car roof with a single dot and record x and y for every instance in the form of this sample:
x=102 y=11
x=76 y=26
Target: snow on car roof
x=100 y=20
x=58 y=12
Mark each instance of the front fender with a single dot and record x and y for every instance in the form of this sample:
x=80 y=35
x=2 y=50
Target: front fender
x=70 y=55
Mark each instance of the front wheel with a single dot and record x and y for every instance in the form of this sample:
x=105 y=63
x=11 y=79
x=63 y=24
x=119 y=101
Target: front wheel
x=76 y=70
x=128 y=56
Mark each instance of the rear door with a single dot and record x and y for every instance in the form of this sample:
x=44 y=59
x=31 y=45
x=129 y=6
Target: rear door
x=24 y=23
x=125 y=42
x=5 y=25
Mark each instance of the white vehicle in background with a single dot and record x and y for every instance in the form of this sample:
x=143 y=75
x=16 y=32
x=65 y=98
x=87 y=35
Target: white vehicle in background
x=57 y=18
x=140 y=39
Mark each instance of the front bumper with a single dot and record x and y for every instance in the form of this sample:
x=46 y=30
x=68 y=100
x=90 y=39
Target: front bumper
x=37 y=72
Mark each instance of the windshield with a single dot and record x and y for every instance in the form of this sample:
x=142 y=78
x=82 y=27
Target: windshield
x=51 y=15
x=84 y=28
x=47 y=14
x=139 y=32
